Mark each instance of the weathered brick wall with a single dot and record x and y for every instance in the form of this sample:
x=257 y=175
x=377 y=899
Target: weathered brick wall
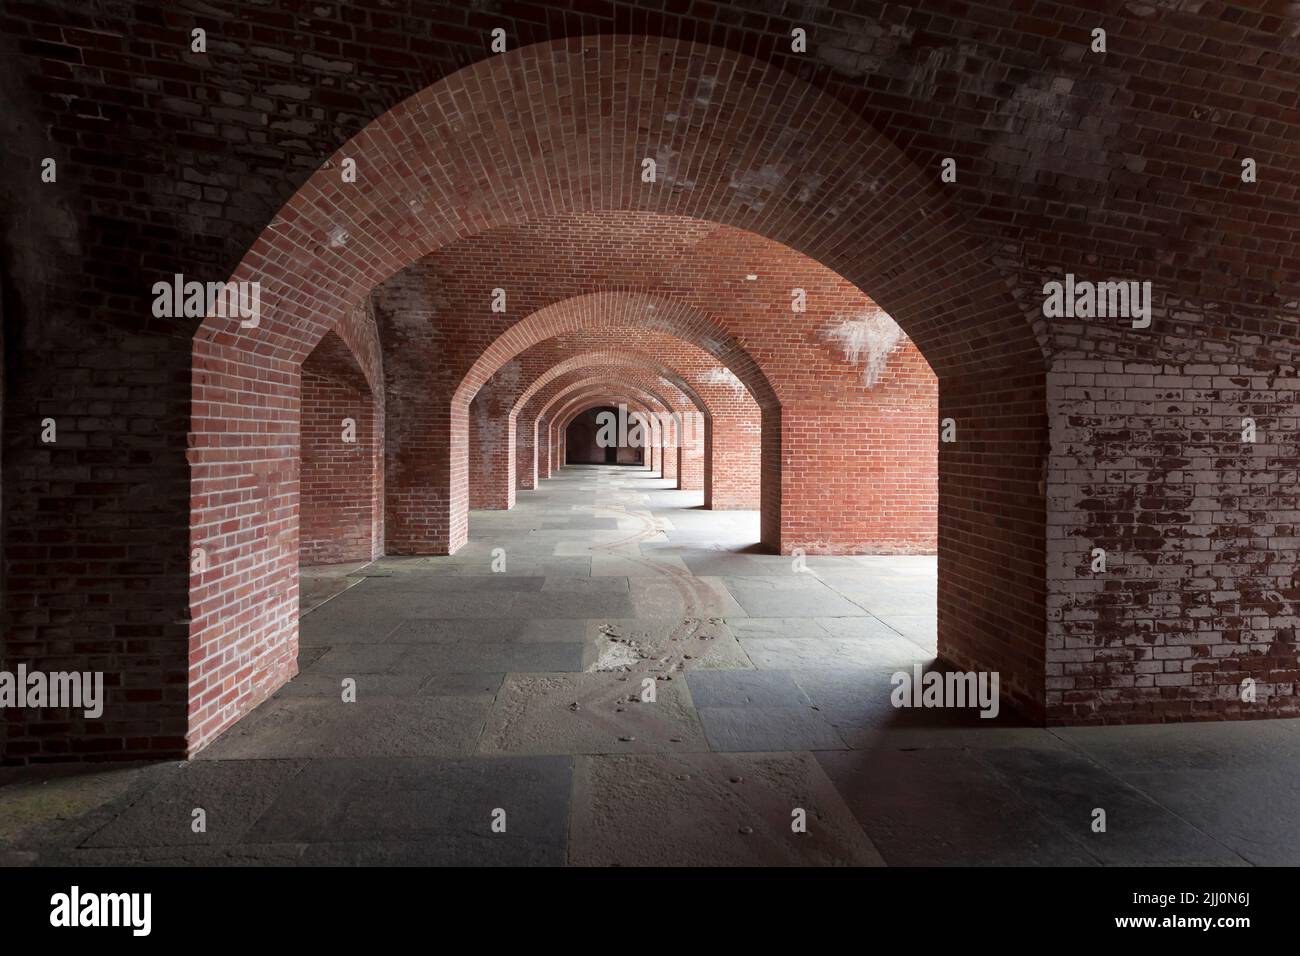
x=1199 y=529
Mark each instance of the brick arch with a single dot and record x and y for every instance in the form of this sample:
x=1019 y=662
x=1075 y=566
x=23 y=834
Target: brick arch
x=564 y=386
x=640 y=400
x=666 y=390
x=793 y=167
x=577 y=390
x=741 y=281
x=493 y=447
x=733 y=473
x=739 y=142
x=620 y=309
x=525 y=413
x=606 y=311
x=687 y=445
x=595 y=357
x=647 y=394
x=636 y=399
x=528 y=410
x=648 y=399
x=732 y=468
x=579 y=403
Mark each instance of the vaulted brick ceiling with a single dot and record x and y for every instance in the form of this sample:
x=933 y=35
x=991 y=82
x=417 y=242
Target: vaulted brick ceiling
x=1120 y=162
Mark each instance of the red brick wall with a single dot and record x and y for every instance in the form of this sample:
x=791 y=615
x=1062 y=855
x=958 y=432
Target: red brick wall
x=669 y=439
x=991 y=557
x=491 y=451
x=542 y=442
x=733 y=465
x=1200 y=579
x=870 y=460
x=243 y=642
x=527 y=455
x=338 y=481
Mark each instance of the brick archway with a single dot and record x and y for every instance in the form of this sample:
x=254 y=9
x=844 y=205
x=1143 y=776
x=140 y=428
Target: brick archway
x=681 y=433
x=594 y=358
x=622 y=311
x=510 y=462
x=546 y=429
x=639 y=406
x=592 y=437
x=801 y=169
x=648 y=400
x=636 y=400
x=731 y=450
x=604 y=311
x=532 y=430
x=496 y=441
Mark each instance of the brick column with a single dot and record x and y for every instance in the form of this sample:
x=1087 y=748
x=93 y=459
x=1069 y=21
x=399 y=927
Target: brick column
x=668 y=460
x=526 y=465
x=692 y=441
x=542 y=442
x=491 y=457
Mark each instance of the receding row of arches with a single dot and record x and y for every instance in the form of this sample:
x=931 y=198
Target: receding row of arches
x=790 y=282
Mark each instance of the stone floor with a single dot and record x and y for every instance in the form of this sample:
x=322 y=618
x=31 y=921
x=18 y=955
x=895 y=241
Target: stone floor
x=515 y=695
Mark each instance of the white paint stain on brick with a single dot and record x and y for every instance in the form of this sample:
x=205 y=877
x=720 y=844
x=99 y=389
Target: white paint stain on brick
x=867 y=340
x=726 y=377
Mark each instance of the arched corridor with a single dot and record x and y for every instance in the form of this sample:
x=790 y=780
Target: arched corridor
x=651 y=423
